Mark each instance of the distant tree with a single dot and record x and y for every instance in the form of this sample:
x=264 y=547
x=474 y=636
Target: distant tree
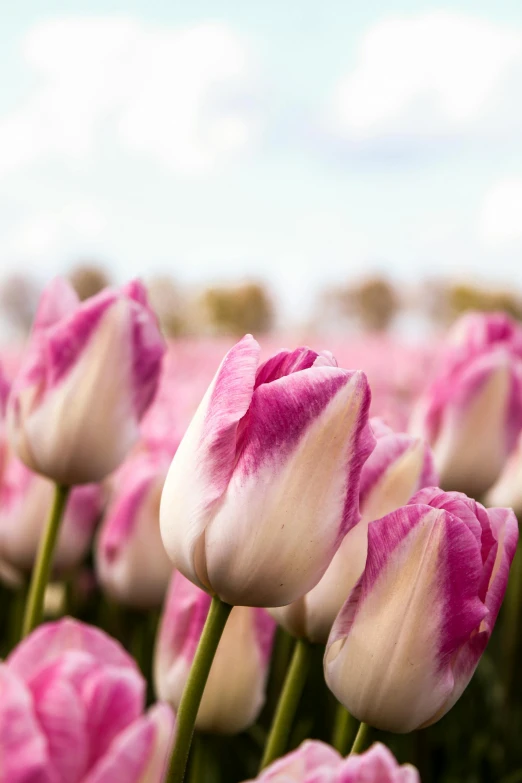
x=18 y=301
x=371 y=302
x=238 y=309
x=170 y=304
x=88 y=279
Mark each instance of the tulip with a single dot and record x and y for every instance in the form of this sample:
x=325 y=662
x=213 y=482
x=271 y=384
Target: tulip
x=264 y=484
x=472 y=413
x=411 y=633
x=315 y=762
x=24 y=500
x=507 y=490
x=397 y=468
x=90 y=372
x=131 y=562
x=235 y=690
x=72 y=712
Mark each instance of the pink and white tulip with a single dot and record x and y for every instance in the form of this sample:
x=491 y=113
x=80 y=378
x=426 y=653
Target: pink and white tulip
x=472 y=413
x=397 y=468
x=409 y=637
x=265 y=483
x=25 y=499
x=507 y=490
x=315 y=762
x=235 y=691
x=131 y=562
x=89 y=374
x=71 y=711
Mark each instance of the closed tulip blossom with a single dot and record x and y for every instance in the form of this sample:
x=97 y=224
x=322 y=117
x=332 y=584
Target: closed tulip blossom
x=410 y=635
x=235 y=690
x=396 y=469
x=507 y=490
x=315 y=762
x=71 y=711
x=24 y=501
x=131 y=562
x=265 y=483
x=472 y=412
x=89 y=374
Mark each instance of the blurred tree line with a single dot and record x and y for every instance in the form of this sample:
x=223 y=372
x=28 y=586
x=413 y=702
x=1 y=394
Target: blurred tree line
x=371 y=303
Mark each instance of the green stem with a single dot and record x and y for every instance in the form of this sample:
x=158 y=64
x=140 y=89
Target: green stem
x=288 y=703
x=343 y=730
x=360 y=738
x=195 y=685
x=44 y=559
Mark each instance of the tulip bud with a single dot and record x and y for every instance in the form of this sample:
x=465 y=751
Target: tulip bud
x=507 y=490
x=90 y=372
x=472 y=412
x=315 y=762
x=265 y=482
x=396 y=469
x=25 y=499
x=235 y=690
x=72 y=710
x=131 y=563
x=410 y=635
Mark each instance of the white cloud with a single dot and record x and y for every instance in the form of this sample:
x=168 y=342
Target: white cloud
x=47 y=235
x=500 y=219
x=436 y=73
x=182 y=96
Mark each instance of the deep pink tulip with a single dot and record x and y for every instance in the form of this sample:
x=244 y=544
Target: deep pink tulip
x=410 y=635
x=472 y=412
x=71 y=711
x=131 y=562
x=315 y=762
x=235 y=690
x=265 y=482
x=396 y=469
x=89 y=374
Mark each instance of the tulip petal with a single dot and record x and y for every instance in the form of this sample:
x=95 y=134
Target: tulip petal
x=421 y=580
x=311 y=757
x=285 y=363
x=52 y=639
x=298 y=478
x=204 y=461
x=24 y=755
x=137 y=755
x=377 y=765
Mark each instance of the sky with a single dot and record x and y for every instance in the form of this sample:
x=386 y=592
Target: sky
x=302 y=142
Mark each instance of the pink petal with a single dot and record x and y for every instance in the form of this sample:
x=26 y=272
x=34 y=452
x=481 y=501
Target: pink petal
x=139 y=754
x=23 y=747
x=376 y=765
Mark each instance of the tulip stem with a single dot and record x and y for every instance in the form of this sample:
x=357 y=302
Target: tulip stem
x=360 y=738
x=343 y=730
x=288 y=702
x=44 y=559
x=193 y=692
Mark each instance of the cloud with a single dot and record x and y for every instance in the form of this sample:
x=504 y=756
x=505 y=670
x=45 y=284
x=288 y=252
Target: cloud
x=185 y=97
x=500 y=218
x=436 y=74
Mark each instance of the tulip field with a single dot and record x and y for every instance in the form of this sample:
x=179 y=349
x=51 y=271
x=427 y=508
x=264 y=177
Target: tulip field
x=289 y=559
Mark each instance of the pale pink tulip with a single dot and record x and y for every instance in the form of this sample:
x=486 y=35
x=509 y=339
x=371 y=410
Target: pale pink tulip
x=410 y=635
x=265 y=483
x=131 y=562
x=235 y=690
x=90 y=371
x=71 y=711
x=315 y=762
x=472 y=412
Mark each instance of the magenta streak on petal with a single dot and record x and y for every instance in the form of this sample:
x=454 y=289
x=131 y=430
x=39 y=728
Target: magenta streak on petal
x=184 y=616
x=281 y=412
x=460 y=565
x=4 y=393
x=504 y=526
x=285 y=363
x=148 y=348
x=513 y=420
x=265 y=629
x=58 y=300
x=229 y=402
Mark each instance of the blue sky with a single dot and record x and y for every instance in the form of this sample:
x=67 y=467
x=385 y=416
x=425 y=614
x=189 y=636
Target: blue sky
x=301 y=142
